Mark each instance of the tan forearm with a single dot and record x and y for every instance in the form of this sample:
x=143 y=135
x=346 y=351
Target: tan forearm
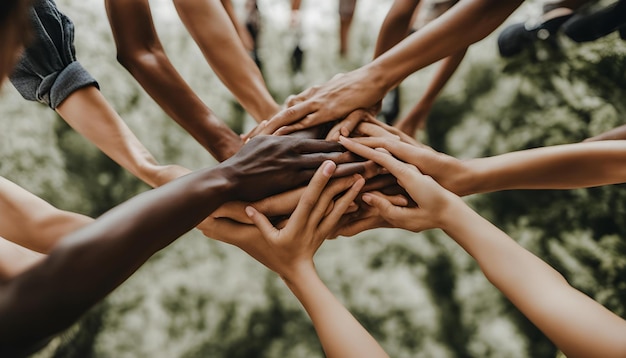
x=31 y=222
x=467 y=22
x=105 y=129
x=567 y=166
x=209 y=25
x=396 y=25
x=140 y=51
x=340 y=334
x=578 y=325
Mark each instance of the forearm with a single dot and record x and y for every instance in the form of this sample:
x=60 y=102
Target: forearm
x=15 y=259
x=446 y=69
x=465 y=23
x=618 y=133
x=107 y=131
x=340 y=334
x=141 y=53
x=558 y=167
x=89 y=263
x=32 y=222
x=578 y=325
x=396 y=25
x=209 y=25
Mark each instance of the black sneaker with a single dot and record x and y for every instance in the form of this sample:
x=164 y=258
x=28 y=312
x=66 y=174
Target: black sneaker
x=584 y=28
x=515 y=38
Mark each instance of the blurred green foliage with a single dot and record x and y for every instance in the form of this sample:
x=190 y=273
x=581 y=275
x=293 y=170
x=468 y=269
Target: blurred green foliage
x=419 y=294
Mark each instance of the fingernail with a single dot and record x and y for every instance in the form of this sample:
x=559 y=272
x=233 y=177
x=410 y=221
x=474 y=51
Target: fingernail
x=367 y=198
x=249 y=211
x=329 y=168
x=344 y=131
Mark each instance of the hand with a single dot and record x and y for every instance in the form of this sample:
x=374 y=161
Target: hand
x=366 y=217
x=268 y=165
x=286 y=250
x=330 y=101
x=415 y=120
x=432 y=200
x=451 y=173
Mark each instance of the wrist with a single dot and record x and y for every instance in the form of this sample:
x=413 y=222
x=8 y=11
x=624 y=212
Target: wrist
x=222 y=180
x=469 y=181
x=376 y=74
x=454 y=218
x=298 y=274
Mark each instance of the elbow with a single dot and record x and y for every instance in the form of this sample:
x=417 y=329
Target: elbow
x=137 y=59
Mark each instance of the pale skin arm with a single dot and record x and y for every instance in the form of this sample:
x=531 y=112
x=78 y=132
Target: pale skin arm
x=467 y=22
x=141 y=53
x=243 y=33
x=618 y=133
x=289 y=252
x=566 y=166
x=209 y=25
x=87 y=111
x=578 y=325
x=31 y=222
x=15 y=259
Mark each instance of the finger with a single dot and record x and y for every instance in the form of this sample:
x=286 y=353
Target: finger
x=254 y=132
x=373 y=130
x=341 y=205
x=363 y=147
x=293 y=100
x=310 y=120
x=289 y=115
x=353 y=227
x=400 y=150
x=349 y=169
x=307 y=146
x=348 y=124
x=227 y=230
x=279 y=205
x=408 y=175
x=312 y=194
x=397 y=199
x=385 y=208
x=262 y=223
x=327 y=196
x=380 y=182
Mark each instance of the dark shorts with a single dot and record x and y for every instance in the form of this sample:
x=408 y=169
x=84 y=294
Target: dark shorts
x=48 y=71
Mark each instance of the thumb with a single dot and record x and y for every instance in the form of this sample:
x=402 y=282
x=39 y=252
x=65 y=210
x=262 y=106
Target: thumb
x=386 y=209
x=261 y=222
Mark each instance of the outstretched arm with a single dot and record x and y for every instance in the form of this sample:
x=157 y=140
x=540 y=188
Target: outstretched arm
x=209 y=25
x=566 y=166
x=578 y=325
x=141 y=53
x=465 y=23
x=418 y=114
x=289 y=252
x=15 y=259
x=104 y=128
x=396 y=25
x=618 y=133
x=31 y=222
x=89 y=263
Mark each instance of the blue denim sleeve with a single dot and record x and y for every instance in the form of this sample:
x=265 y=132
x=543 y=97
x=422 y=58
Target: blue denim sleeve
x=47 y=71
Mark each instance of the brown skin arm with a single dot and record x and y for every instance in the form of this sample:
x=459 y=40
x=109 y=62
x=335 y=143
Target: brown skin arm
x=141 y=53
x=467 y=22
x=396 y=25
x=89 y=263
x=208 y=23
